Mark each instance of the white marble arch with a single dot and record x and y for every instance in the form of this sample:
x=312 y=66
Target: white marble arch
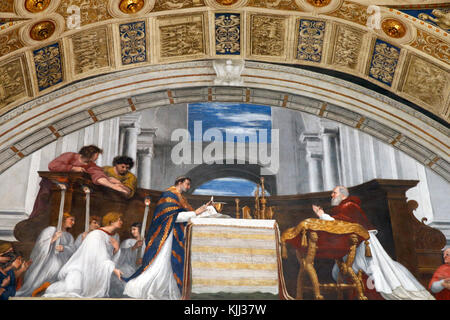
x=41 y=121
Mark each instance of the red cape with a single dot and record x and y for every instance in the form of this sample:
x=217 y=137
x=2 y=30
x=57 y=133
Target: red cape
x=443 y=272
x=349 y=210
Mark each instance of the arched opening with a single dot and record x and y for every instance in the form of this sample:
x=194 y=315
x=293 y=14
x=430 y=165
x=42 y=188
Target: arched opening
x=230 y=186
x=227 y=174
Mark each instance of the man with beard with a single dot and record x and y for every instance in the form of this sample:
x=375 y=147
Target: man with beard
x=390 y=279
x=440 y=282
x=120 y=175
x=161 y=274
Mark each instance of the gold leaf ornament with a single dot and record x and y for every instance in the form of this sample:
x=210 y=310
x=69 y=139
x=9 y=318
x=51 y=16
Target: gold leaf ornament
x=42 y=30
x=35 y=6
x=393 y=28
x=131 y=6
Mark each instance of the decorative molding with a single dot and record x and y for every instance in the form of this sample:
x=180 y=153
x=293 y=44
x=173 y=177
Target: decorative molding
x=133 y=42
x=228 y=33
x=48 y=65
x=182 y=36
x=384 y=62
x=228 y=72
x=310 y=40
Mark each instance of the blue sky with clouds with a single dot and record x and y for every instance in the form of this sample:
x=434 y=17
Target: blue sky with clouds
x=237 y=119
x=230 y=118
x=228 y=187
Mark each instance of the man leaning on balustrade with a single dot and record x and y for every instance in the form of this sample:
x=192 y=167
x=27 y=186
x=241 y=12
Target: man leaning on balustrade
x=83 y=161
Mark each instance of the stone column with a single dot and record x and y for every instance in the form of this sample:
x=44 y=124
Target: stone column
x=329 y=134
x=129 y=131
x=314 y=157
x=145 y=155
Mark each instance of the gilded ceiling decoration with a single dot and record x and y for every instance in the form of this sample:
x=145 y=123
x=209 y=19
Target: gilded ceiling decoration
x=7 y=6
x=42 y=30
x=36 y=5
x=9 y=42
x=393 y=28
x=319 y=3
x=163 y=5
x=329 y=33
x=274 y=4
x=88 y=12
x=131 y=6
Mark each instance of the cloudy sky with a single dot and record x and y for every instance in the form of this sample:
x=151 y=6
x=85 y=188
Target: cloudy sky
x=238 y=119
x=227 y=187
x=230 y=118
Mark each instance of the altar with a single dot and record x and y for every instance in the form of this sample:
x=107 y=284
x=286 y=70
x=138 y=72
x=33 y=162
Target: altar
x=233 y=256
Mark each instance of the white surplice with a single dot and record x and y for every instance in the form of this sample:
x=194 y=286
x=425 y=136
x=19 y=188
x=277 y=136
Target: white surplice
x=157 y=281
x=79 y=240
x=46 y=261
x=126 y=263
x=88 y=272
x=390 y=278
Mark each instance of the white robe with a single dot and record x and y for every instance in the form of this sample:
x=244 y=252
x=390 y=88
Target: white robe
x=389 y=278
x=46 y=261
x=157 y=281
x=125 y=263
x=79 y=240
x=88 y=272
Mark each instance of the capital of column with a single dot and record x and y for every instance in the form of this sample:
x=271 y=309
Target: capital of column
x=146 y=152
x=135 y=130
x=145 y=142
x=130 y=121
x=314 y=156
x=328 y=127
x=313 y=144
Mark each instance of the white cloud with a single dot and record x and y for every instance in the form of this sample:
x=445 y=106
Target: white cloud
x=237 y=180
x=240 y=131
x=217 y=192
x=246 y=118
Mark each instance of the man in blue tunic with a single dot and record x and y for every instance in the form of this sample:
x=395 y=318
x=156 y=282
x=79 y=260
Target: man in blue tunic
x=10 y=272
x=161 y=274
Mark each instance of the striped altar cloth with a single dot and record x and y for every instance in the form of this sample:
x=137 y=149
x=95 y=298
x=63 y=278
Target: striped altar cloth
x=233 y=256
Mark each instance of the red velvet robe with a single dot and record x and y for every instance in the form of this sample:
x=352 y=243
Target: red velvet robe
x=443 y=272
x=349 y=210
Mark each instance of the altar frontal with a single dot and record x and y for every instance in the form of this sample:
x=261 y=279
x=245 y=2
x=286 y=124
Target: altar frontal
x=233 y=256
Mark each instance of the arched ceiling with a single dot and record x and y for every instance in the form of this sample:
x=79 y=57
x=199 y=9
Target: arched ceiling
x=51 y=49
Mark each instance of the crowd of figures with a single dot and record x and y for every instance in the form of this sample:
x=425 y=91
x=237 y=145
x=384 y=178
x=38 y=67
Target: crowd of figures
x=91 y=265
x=97 y=265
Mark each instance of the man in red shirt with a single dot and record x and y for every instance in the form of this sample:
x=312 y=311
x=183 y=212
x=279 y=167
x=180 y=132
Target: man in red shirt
x=83 y=161
x=440 y=282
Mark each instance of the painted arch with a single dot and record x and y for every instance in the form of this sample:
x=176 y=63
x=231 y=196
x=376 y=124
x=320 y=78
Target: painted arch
x=117 y=61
